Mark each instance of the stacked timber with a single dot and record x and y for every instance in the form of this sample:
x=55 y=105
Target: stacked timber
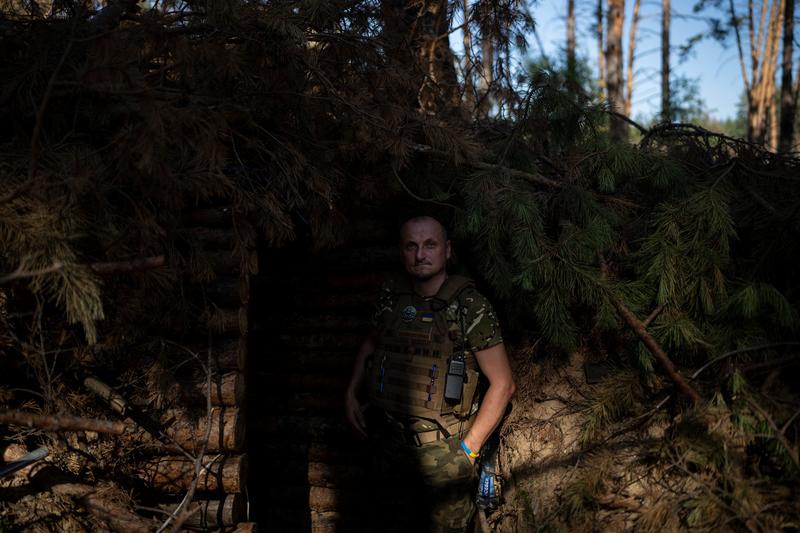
x=311 y=312
x=205 y=447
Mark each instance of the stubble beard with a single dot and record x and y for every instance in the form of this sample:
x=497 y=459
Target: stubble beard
x=424 y=276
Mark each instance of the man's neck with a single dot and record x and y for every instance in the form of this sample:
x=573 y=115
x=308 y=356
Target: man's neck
x=429 y=287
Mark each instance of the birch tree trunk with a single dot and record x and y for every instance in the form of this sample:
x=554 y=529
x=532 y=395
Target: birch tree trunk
x=665 y=27
x=616 y=97
x=788 y=97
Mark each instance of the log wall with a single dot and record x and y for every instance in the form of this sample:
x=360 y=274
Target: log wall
x=165 y=466
x=310 y=313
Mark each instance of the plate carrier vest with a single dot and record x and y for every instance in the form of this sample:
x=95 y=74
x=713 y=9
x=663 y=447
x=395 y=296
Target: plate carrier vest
x=410 y=363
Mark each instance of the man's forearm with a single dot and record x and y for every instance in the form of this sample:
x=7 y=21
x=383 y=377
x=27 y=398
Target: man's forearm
x=489 y=415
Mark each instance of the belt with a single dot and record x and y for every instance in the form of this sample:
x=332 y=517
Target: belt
x=426 y=437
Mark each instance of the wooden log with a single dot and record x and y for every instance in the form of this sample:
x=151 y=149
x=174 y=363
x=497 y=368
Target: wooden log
x=362 y=259
x=334 y=475
x=333 y=521
x=323 y=341
x=293 y=451
x=366 y=229
x=322 y=499
x=124 y=267
x=315 y=301
x=327 y=282
x=227 y=430
x=174 y=474
x=224 y=261
x=323 y=474
x=223 y=291
x=215 y=238
x=188 y=429
x=241 y=527
x=312 y=382
x=339 y=322
x=227 y=354
x=215 y=217
x=305 y=361
x=226 y=390
x=303 y=402
x=225 y=512
x=326 y=522
x=314 y=428
x=229 y=322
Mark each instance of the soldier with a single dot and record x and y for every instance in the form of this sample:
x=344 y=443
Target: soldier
x=438 y=382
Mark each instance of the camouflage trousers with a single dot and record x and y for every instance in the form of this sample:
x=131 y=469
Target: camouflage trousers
x=420 y=488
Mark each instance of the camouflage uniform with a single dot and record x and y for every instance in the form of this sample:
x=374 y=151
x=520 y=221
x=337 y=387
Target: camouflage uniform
x=429 y=487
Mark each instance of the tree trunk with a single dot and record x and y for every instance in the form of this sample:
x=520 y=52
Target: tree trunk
x=788 y=98
x=616 y=97
x=665 y=27
x=572 y=75
x=772 y=143
x=469 y=64
x=631 y=56
x=763 y=85
x=439 y=92
x=601 y=53
x=485 y=98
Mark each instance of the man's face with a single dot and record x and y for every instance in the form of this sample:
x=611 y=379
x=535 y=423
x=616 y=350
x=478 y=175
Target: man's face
x=424 y=248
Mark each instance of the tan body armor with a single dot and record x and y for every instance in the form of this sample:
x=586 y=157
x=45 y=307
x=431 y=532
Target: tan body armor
x=409 y=366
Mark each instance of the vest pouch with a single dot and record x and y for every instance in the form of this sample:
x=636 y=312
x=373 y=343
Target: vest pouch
x=470 y=387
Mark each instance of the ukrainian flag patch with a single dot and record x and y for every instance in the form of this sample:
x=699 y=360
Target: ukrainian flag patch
x=426 y=317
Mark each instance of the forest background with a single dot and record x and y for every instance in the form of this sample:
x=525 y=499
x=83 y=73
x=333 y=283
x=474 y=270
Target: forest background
x=663 y=251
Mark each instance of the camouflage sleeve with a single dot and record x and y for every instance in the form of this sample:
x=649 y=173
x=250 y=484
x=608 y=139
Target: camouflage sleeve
x=383 y=306
x=480 y=322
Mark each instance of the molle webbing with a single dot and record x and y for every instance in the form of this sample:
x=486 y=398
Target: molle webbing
x=410 y=363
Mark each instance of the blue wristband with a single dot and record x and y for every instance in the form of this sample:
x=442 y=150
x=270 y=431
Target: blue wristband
x=469 y=452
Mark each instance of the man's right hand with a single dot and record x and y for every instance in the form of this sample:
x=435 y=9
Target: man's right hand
x=354 y=415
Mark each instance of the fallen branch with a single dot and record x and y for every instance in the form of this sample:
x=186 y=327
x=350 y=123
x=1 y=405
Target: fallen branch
x=742 y=350
x=60 y=423
x=780 y=436
x=134 y=265
x=652 y=316
x=652 y=345
x=20 y=273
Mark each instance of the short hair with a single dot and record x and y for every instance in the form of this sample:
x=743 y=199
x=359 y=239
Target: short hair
x=420 y=218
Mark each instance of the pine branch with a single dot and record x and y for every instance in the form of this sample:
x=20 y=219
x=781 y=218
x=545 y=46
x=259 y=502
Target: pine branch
x=547 y=182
